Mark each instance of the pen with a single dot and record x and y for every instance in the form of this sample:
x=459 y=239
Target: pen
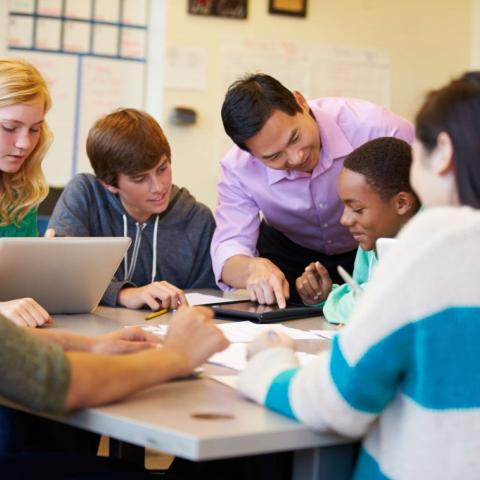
x=356 y=288
x=156 y=314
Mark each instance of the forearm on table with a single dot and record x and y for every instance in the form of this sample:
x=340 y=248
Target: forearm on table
x=68 y=341
x=99 y=379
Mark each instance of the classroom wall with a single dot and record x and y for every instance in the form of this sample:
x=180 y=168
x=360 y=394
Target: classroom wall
x=427 y=41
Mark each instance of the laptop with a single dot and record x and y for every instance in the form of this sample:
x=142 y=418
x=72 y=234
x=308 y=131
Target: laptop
x=64 y=275
x=383 y=245
x=257 y=313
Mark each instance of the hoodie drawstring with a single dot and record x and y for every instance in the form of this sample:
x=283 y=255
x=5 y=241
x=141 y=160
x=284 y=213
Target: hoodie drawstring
x=154 y=256
x=128 y=272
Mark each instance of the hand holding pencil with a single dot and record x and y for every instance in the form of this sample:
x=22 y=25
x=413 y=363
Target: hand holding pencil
x=156 y=295
x=314 y=285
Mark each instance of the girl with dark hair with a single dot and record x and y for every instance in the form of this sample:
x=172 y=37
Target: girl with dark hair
x=403 y=374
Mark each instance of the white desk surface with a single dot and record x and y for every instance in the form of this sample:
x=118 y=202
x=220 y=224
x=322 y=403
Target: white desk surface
x=163 y=417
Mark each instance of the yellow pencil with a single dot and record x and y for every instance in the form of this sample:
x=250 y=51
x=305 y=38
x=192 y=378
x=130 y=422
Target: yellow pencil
x=156 y=314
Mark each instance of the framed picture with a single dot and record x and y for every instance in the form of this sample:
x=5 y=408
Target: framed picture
x=295 y=8
x=219 y=8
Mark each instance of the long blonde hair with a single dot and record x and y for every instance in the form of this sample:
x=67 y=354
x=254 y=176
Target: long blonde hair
x=22 y=83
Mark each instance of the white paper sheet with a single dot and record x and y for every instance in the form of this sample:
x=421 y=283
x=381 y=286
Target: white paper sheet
x=247 y=331
x=235 y=356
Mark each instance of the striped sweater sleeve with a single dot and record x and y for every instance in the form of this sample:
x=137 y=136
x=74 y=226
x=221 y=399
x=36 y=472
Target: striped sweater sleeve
x=346 y=388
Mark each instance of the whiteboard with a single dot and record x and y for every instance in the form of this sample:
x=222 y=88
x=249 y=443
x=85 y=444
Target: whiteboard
x=93 y=56
x=316 y=70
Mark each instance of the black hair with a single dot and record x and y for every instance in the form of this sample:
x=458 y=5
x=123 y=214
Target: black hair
x=455 y=110
x=473 y=76
x=250 y=102
x=385 y=163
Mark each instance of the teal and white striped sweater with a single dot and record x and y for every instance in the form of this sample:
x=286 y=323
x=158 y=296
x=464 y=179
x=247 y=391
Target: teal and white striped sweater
x=404 y=374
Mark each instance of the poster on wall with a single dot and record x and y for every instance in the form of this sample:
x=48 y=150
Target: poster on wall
x=295 y=8
x=219 y=8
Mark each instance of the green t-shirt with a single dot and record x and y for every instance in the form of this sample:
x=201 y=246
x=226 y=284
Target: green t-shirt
x=26 y=228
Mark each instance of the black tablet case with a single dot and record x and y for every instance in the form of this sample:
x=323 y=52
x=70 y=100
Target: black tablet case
x=239 y=311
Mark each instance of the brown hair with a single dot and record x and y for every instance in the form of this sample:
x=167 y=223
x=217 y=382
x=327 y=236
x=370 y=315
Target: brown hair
x=126 y=141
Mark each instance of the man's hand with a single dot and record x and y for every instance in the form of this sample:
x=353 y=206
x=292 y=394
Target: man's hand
x=25 y=312
x=194 y=337
x=314 y=285
x=156 y=295
x=266 y=283
x=125 y=340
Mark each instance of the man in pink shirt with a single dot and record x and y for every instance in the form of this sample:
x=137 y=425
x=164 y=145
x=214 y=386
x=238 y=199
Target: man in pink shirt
x=278 y=207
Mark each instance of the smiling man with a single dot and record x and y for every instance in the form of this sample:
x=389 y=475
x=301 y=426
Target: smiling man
x=132 y=195
x=278 y=206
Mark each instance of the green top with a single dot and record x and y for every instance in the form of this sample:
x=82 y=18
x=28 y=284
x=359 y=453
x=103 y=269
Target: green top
x=26 y=228
x=341 y=301
x=34 y=373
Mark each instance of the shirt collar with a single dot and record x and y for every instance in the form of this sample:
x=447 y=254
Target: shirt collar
x=334 y=145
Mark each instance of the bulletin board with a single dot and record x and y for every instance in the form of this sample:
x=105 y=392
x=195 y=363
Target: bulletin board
x=93 y=55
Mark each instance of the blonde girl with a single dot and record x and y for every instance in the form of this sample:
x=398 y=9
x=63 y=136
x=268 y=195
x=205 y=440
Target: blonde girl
x=24 y=141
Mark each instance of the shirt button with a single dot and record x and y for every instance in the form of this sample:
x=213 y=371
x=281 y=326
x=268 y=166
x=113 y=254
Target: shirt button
x=329 y=241
x=325 y=225
x=321 y=205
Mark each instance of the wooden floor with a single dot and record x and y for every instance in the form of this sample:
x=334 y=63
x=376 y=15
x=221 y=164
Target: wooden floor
x=154 y=460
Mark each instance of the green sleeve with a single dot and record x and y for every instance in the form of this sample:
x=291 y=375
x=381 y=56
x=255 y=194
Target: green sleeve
x=341 y=301
x=34 y=373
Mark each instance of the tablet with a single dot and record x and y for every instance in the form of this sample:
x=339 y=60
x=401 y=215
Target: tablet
x=63 y=274
x=263 y=313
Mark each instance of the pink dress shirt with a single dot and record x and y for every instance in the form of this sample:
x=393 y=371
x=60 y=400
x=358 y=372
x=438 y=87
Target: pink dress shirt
x=304 y=207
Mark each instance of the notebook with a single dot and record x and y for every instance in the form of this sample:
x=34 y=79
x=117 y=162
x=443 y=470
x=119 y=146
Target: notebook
x=64 y=275
x=263 y=313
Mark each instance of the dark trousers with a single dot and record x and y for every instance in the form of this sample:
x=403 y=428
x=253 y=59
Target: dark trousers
x=67 y=466
x=22 y=432
x=292 y=258
x=276 y=466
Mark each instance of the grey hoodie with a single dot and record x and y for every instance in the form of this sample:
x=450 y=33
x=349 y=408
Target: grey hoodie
x=182 y=239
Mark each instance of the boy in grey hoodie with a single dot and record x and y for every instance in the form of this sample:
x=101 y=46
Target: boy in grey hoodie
x=132 y=195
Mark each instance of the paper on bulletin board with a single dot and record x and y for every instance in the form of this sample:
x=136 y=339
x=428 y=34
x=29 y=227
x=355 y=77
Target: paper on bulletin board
x=348 y=72
x=76 y=9
x=105 y=39
x=107 y=10
x=21 y=6
x=20 y=32
x=76 y=36
x=133 y=42
x=50 y=7
x=134 y=12
x=186 y=68
x=315 y=70
x=48 y=34
x=106 y=84
x=60 y=72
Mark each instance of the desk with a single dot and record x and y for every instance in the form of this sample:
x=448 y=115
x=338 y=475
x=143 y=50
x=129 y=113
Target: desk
x=163 y=417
